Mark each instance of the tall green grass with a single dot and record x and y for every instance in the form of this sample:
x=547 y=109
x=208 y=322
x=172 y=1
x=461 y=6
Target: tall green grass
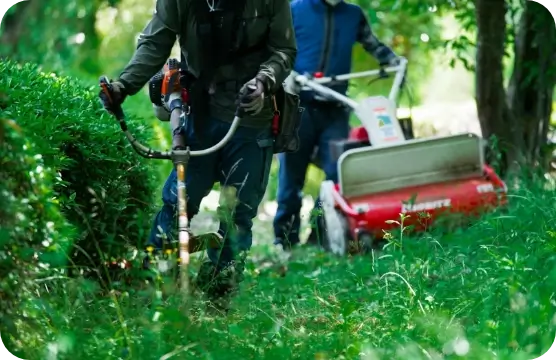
x=484 y=292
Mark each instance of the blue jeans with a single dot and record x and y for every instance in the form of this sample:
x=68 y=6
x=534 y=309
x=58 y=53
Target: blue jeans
x=243 y=163
x=320 y=124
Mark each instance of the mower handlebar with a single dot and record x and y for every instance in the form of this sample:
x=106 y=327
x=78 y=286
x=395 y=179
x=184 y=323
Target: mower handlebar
x=317 y=84
x=376 y=72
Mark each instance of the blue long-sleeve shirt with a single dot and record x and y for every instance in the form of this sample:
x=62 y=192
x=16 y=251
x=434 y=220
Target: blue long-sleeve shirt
x=325 y=36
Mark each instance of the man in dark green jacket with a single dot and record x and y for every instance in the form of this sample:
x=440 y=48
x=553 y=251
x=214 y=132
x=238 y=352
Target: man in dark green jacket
x=259 y=65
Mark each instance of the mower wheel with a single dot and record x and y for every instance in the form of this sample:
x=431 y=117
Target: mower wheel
x=333 y=222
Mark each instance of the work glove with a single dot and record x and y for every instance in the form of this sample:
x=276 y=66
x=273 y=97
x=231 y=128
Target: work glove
x=395 y=61
x=117 y=96
x=290 y=85
x=252 y=97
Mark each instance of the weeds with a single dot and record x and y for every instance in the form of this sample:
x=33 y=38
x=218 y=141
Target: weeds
x=481 y=292
x=484 y=292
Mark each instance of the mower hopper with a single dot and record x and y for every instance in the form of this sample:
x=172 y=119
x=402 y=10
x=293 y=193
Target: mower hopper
x=423 y=179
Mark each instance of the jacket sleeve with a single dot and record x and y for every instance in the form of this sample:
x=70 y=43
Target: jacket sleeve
x=281 y=45
x=371 y=43
x=153 y=48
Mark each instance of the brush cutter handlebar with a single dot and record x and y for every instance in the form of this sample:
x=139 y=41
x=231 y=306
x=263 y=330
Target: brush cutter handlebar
x=149 y=153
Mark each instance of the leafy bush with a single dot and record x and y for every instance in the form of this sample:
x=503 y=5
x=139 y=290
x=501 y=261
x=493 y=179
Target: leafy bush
x=34 y=236
x=105 y=188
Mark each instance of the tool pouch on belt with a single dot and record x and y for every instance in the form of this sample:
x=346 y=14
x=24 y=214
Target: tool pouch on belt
x=286 y=121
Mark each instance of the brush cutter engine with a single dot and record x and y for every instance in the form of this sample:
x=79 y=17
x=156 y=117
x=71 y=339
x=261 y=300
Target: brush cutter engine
x=389 y=180
x=171 y=77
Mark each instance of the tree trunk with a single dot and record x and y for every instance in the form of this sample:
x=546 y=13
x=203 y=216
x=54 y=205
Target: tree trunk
x=493 y=111
x=532 y=82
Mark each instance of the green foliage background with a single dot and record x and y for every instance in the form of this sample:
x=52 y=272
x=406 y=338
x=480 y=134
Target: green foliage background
x=98 y=37
x=483 y=292
x=35 y=238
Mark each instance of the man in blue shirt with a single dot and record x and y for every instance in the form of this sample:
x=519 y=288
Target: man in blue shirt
x=325 y=32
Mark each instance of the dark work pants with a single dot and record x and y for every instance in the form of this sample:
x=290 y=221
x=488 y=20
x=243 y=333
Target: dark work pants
x=320 y=124
x=244 y=163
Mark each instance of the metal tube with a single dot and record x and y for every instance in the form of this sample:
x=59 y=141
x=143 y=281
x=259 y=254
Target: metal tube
x=392 y=69
x=304 y=81
x=178 y=139
x=316 y=83
x=398 y=81
x=183 y=226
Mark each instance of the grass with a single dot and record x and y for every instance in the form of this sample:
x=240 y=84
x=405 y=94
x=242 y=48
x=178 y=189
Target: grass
x=485 y=292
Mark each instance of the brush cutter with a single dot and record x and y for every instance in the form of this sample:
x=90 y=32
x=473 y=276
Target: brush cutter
x=388 y=181
x=176 y=97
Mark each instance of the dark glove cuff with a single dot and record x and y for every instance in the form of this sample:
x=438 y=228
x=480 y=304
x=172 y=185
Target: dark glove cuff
x=124 y=91
x=264 y=80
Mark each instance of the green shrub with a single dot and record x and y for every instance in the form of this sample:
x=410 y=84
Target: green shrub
x=105 y=188
x=34 y=236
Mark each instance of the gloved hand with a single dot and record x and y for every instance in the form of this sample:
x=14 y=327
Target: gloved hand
x=395 y=61
x=117 y=96
x=290 y=85
x=252 y=97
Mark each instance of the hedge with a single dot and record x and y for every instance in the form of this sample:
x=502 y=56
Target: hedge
x=105 y=189
x=34 y=235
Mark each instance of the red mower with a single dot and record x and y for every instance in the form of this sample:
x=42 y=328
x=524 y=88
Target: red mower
x=385 y=175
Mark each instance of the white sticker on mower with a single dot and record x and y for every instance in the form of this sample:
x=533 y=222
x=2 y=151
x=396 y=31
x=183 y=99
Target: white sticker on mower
x=485 y=188
x=430 y=205
x=385 y=124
